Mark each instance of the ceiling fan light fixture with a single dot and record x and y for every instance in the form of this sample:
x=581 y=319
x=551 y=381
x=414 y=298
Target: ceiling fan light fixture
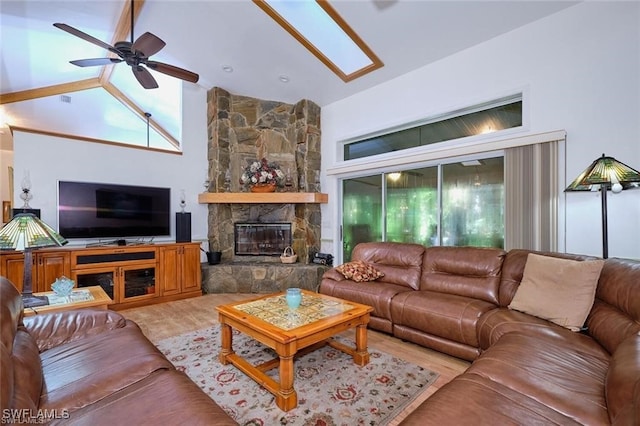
x=284 y=78
x=134 y=53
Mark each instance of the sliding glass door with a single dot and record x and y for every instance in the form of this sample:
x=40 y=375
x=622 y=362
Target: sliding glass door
x=362 y=212
x=412 y=206
x=473 y=203
x=452 y=204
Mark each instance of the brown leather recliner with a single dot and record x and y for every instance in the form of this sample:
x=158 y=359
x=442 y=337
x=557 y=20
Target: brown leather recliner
x=402 y=266
x=525 y=370
x=90 y=367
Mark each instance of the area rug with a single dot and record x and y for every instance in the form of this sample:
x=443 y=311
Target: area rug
x=331 y=389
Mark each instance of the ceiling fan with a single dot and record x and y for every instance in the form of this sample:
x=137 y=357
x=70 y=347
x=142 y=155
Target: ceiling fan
x=135 y=54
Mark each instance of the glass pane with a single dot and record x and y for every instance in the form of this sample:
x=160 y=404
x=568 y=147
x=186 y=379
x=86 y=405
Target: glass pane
x=476 y=123
x=138 y=282
x=412 y=206
x=396 y=141
x=458 y=124
x=103 y=279
x=361 y=212
x=473 y=204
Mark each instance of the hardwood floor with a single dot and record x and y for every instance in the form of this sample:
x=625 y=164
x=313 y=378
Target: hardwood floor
x=174 y=318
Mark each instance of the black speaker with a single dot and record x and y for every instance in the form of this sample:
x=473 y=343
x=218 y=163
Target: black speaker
x=183 y=227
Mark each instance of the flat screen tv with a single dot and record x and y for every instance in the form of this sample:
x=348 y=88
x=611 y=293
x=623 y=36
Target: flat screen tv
x=103 y=210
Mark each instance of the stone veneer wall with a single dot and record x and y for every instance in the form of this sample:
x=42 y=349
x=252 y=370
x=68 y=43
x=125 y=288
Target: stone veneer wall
x=241 y=129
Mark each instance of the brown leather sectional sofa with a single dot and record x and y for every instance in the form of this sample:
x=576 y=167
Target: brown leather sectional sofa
x=88 y=367
x=525 y=370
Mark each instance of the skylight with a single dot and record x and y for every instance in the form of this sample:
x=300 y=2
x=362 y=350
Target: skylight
x=322 y=30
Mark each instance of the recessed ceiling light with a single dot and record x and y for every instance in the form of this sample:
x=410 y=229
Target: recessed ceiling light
x=284 y=78
x=227 y=68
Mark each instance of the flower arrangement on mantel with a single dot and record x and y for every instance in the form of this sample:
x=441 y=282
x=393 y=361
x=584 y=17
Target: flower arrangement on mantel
x=262 y=176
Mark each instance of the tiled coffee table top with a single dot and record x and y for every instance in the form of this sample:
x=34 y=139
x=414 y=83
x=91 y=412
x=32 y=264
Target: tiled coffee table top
x=275 y=311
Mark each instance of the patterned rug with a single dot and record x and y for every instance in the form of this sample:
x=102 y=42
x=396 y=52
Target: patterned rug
x=331 y=389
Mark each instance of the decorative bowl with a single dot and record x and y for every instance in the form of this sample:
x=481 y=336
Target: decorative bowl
x=63 y=286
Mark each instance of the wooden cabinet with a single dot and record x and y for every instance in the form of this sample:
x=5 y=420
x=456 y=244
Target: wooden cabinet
x=125 y=274
x=180 y=268
x=130 y=275
x=11 y=267
x=170 y=270
x=47 y=267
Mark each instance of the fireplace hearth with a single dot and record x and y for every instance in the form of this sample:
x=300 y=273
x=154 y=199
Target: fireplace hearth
x=261 y=239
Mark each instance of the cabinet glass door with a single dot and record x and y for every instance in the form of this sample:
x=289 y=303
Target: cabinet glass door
x=104 y=279
x=139 y=282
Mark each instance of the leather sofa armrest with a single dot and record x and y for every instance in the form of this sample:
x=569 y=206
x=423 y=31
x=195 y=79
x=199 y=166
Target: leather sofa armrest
x=54 y=329
x=334 y=275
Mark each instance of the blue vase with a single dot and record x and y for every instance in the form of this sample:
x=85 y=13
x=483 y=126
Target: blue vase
x=294 y=297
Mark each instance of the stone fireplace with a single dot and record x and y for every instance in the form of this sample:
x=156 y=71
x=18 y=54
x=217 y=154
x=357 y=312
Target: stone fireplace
x=243 y=129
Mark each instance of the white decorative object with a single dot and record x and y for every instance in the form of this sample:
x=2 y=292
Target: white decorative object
x=26 y=190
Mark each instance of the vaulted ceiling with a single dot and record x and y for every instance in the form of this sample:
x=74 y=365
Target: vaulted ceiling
x=210 y=37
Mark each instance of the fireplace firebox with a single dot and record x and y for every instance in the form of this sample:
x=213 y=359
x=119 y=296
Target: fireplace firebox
x=261 y=239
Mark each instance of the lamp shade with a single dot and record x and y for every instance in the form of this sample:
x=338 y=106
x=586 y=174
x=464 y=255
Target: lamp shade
x=603 y=174
x=26 y=231
x=605 y=171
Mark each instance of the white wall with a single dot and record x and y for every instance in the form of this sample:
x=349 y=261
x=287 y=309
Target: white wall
x=6 y=161
x=50 y=159
x=580 y=71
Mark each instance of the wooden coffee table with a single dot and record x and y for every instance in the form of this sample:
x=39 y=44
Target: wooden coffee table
x=291 y=332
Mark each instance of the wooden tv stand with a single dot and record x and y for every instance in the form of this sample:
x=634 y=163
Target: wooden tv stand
x=132 y=276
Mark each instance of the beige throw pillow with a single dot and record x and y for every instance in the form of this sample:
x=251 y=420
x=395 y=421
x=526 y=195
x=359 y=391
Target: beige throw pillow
x=558 y=290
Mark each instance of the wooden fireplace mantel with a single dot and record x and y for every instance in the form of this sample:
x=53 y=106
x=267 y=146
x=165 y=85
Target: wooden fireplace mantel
x=263 y=198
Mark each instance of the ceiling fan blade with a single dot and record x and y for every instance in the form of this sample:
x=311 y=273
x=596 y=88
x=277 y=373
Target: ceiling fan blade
x=87 y=37
x=173 y=71
x=144 y=77
x=148 y=44
x=95 y=62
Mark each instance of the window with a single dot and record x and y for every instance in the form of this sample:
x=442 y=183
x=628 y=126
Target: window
x=319 y=27
x=507 y=196
x=489 y=117
x=450 y=204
